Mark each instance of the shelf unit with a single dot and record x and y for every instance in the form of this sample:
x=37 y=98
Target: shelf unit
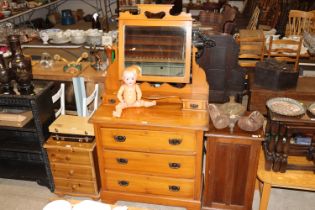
x=21 y=15
x=22 y=155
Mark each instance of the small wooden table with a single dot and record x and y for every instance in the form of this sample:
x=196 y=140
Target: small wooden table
x=280 y=145
x=304 y=180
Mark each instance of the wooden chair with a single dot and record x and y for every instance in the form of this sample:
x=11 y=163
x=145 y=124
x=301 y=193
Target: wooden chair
x=60 y=95
x=88 y=100
x=293 y=179
x=312 y=30
x=298 y=22
x=252 y=50
x=82 y=100
x=286 y=50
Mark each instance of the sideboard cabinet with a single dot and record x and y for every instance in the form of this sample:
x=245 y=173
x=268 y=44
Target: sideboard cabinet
x=22 y=155
x=231 y=167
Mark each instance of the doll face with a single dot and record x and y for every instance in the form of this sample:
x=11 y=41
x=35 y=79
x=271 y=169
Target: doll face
x=129 y=78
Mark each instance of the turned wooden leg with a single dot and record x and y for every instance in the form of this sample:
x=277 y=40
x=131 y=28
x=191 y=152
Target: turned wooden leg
x=265 y=196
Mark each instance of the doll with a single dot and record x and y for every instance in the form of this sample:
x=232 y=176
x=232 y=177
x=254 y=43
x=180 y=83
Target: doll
x=129 y=93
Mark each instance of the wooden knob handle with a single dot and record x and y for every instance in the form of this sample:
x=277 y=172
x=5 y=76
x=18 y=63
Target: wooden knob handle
x=71 y=172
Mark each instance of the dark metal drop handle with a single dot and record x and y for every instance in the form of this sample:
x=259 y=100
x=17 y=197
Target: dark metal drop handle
x=175 y=141
x=174 y=165
x=174 y=188
x=120 y=138
x=122 y=161
x=111 y=101
x=194 y=106
x=123 y=183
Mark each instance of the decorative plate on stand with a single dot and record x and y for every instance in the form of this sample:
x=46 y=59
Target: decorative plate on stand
x=311 y=109
x=286 y=106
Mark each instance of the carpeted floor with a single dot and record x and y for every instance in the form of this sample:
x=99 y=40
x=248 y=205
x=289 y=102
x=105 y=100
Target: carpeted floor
x=24 y=195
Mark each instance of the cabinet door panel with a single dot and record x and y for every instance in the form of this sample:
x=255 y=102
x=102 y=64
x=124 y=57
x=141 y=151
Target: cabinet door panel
x=241 y=155
x=220 y=168
x=231 y=167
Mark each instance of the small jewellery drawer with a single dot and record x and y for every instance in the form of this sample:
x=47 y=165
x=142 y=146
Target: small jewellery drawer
x=72 y=171
x=149 y=163
x=144 y=140
x=69 y=156
x=195 y=104
x=135 y=183
x=75 y=186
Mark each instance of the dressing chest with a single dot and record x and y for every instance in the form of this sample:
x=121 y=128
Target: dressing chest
x=154 y=154
x=151 y=155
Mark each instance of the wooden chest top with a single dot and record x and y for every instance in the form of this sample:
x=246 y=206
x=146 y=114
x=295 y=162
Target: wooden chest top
x=161 y=115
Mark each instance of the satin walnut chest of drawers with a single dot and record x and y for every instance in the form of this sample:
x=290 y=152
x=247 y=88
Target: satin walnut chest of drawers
x=151 y=155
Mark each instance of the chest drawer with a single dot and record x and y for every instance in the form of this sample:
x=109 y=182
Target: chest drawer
x=195 y=104
x=69 y=156
x=136 y=183
x=75 y=186
x=72 y=171
x=143 y=140
x=149 y=163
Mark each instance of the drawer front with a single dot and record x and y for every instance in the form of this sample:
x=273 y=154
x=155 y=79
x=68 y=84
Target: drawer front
x=67 y=171
x=69 y=157
x=135 y=183
x=195 y=105
x=75 y=186
x=143 y=140
x=158 y=164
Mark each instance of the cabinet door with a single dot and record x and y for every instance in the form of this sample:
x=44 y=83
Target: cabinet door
x=231 y=166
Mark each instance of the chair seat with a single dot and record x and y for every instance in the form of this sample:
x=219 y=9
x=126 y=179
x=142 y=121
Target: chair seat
x=292 y=179
x=247 y=63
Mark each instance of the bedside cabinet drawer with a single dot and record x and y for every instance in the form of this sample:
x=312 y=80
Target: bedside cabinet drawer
x=143 y=140
x=149 y=163
x=66 y=171
x=75 y=186
x=69 y=157
x=136 y=183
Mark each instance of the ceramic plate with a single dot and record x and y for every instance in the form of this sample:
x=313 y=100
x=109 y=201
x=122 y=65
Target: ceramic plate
x=58 y=205
x=311 y=108
x=62 y=41
x=286 y=106
x=52 y=31
x=91 y=205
